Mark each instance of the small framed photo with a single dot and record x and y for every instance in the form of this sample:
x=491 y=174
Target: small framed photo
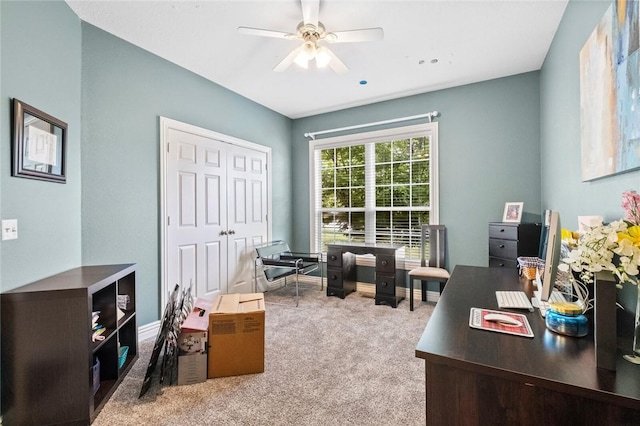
x=512 y=212
x=39 y=144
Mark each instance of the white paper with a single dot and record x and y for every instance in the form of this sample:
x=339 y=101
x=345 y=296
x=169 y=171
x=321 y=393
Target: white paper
x=42 y=146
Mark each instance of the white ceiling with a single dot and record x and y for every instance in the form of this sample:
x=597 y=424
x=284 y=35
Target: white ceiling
x=471 y=40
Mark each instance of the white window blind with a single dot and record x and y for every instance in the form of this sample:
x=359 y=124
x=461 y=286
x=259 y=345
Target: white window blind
x=374 y=187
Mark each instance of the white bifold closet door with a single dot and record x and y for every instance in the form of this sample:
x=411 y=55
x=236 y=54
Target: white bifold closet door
x=216 y=205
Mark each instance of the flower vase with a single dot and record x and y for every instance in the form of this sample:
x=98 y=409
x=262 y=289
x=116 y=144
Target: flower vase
x=635 y=357
x=604 y=319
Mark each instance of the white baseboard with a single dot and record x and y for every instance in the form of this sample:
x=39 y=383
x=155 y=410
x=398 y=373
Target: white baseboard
x=148 y=331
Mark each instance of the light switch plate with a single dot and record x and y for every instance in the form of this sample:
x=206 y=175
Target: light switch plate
x=10 y=229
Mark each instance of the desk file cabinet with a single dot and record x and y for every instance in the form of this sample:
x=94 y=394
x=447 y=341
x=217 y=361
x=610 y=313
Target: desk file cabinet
x=341 y=270
x=508 y=241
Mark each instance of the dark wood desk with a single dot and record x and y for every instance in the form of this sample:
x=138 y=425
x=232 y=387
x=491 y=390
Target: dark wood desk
x=341 y=270
x=476 y=377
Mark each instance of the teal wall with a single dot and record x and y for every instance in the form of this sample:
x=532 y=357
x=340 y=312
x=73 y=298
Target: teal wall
x=124 y=92
x=40 y=65
x=488 y=155
x=562 y=186
x=561 y=180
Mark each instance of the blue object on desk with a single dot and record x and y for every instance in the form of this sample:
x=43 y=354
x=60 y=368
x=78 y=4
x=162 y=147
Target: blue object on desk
x=566 y=318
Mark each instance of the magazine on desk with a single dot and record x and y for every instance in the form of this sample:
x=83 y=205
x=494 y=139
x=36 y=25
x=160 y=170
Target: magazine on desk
x=518 y=325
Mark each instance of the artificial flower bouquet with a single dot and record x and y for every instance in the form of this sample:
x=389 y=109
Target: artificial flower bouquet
x=613 y=247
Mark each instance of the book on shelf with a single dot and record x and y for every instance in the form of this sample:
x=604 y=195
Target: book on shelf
x=97 y=329
x=97 y=334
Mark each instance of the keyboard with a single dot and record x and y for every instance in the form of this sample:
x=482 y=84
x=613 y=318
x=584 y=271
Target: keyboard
x=556 y=296
x=513 y=300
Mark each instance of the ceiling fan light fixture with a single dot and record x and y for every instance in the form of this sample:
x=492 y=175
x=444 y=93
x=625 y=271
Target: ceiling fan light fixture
x=308 y=50
x=306 y=53
x=322 y=57
x=311 y=31
x=301 y=61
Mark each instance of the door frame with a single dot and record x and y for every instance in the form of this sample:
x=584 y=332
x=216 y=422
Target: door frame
x=165 y=125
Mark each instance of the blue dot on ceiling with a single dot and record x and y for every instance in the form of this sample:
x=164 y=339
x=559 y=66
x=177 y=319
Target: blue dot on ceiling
x=363 y=82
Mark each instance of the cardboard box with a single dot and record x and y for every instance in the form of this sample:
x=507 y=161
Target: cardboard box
x=193 y=344
x=192 y=368
x=236 y=335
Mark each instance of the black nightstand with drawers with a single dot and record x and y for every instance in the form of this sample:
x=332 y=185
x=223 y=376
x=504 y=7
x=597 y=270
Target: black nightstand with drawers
x=508 y=241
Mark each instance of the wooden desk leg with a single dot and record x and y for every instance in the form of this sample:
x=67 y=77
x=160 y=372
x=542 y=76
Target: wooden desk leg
x=411 y=293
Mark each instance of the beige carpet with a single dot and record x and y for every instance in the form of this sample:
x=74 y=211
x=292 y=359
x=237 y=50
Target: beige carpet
x=328 y=362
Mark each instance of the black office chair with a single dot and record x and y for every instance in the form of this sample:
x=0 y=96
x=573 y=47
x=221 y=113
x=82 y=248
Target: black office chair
x=277 y=261
x=433 y=238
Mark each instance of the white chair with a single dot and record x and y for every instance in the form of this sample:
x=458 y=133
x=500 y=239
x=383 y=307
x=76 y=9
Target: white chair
x=433 y=238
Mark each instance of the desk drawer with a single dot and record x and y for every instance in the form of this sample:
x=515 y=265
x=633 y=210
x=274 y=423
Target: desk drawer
x=334 y=258
x=386 y=263
x=334 y=278
x=496 y=262
x=503 y=232
x=507 y=249
x=385 y=285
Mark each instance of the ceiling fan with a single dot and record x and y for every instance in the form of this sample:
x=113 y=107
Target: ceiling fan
x=312 y=32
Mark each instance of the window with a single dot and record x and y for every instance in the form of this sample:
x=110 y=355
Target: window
x=374 y=187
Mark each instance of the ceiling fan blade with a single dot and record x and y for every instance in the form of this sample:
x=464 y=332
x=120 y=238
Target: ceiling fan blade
x=336 y=64
x=284 y=64
x=310 y=12
x=265 y=33
x=350 y=36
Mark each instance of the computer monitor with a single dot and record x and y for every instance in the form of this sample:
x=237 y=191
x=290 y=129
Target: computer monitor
x=544 y=232
x=551 y=251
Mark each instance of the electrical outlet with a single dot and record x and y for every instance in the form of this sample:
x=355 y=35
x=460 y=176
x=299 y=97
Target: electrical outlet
x=10 y=229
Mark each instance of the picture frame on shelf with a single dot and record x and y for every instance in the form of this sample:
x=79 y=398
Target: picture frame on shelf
x=512 y=212
x=39 y=143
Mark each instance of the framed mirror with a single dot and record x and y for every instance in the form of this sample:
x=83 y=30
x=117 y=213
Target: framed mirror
x=39 y=144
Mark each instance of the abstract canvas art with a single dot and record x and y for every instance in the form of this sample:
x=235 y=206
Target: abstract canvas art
x=610 y=93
